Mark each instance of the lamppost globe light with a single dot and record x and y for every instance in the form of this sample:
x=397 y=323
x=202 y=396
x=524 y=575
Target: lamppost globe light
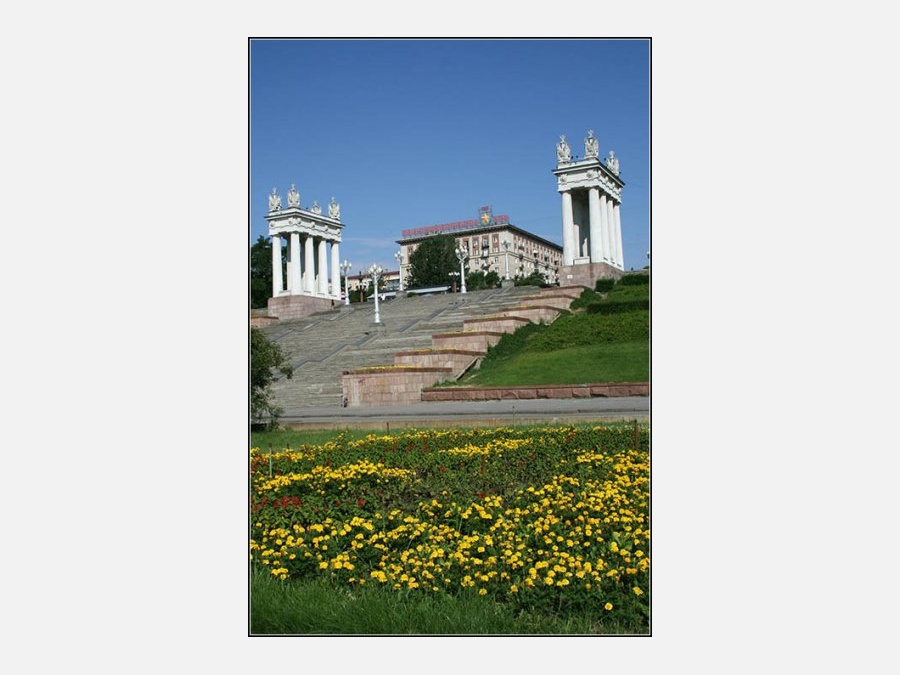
x=506 y=248
x=399 y=256
x=375 y=272
x=345 y=267
x=462 y=255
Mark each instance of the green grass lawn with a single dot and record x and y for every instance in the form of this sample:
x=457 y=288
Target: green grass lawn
x=623 y=362
x=314 y=607
x=604 y=338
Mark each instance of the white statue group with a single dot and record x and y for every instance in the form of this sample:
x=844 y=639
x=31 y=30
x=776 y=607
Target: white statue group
x=334 y=209
x=591 y=150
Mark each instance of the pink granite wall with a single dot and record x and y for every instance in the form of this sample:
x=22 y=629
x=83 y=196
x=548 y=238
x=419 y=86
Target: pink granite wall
x=535 y=313
x=298 y=306
x=261 y=321
x=605 y=389
x=503 y=324
x=470 y=340
x=587 y=275
x=560 y=300
x=455 y=359
x=388 y=385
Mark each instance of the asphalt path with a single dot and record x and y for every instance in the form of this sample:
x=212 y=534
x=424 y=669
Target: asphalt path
x=470 y=413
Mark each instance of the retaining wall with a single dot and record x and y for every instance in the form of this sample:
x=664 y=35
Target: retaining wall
x=604 y=389
x=478 y=340
x=503 y=324
x=458 y=360
x=388 y=385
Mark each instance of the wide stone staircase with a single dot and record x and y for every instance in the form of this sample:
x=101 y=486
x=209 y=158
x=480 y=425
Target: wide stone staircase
x=321 y=346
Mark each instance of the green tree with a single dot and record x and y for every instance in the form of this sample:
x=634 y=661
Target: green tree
x=266 y=360
x=260 y=272
x=431 y=263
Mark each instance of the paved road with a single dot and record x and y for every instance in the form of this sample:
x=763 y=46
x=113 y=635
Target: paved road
x=472 y=413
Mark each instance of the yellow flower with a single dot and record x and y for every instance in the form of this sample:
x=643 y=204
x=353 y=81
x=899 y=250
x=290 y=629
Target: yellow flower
x=607 y=606
x=637 y=591
x=513 y=589
x=482 y=591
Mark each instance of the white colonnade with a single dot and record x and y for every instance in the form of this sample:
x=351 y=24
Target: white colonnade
x=309 y=234
x=591 y=194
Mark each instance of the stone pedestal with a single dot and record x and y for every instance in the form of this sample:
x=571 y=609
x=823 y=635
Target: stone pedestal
x=298 y=306
x=587 y=275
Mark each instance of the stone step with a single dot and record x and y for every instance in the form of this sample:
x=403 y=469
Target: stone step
x=322 y=346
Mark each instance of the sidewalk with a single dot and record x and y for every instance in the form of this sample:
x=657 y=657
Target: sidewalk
x=469 y=413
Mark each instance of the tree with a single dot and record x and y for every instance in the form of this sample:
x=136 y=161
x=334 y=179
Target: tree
x=431 y=263
x=260 y=272
x=266 y=360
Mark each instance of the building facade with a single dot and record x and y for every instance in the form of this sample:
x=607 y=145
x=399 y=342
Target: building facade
x=492 y=244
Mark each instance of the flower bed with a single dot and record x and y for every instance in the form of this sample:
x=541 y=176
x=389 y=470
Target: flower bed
x=550 y=518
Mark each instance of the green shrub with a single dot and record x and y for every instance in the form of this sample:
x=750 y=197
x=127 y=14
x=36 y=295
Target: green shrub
x=617 y=306
x=604 y=285
x=587 y=298
x=634 y=280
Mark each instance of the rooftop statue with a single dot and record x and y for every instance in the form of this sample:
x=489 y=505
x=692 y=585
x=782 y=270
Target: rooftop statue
x=334 y=210
x=563 y=151
x=315 y=207
x=274 y=201
x=612 y=162
x=591 y=148
x=293 y=197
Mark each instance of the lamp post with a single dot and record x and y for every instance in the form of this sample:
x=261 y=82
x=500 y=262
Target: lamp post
x=375 y=272
x=506 y=248
x=345 y=268
x=399 y=256
x=462 y=255
x=453 y=276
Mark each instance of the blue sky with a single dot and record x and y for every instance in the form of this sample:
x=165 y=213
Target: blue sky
x=406 y=133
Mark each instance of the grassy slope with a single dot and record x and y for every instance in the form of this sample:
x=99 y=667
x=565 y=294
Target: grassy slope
x=574 y=349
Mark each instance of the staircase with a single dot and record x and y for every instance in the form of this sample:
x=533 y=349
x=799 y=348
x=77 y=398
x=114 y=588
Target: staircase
x=321 y=346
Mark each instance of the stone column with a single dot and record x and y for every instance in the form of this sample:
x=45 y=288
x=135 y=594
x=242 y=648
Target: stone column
x=569 y=243
x=611 y=231
x=617 y=228
x=596 y=225
x=294 y=264
x=277 y=276
x=604 y=228
x=335 y=269
x=309 y=277
x=322 y=277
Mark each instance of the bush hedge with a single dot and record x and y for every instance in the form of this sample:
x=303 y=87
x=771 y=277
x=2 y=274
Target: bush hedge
x=635 y=280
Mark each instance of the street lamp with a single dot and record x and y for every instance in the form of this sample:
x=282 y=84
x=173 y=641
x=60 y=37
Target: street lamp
x=375 y=272
x=453 y=276
x=462 y=255
x=506 y=248
x=399 y=256
x=345 y=268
